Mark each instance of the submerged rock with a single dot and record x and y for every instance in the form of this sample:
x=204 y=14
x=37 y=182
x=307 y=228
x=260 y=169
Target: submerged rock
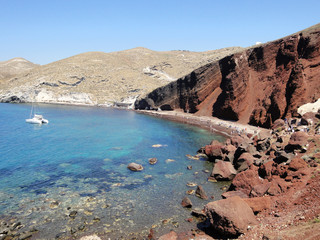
x=191 y=184
x=190 y=192
x=153 y=161
x=73 y=214
x=135 y=167
x=186 y=202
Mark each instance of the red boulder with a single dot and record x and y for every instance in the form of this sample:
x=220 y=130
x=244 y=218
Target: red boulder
x=231 y=216
x=223 y=170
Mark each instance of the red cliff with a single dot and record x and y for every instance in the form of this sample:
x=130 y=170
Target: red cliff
x=256 y=86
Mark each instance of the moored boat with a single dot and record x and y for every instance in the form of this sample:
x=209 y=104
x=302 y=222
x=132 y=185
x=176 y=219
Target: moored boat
x=37 y=119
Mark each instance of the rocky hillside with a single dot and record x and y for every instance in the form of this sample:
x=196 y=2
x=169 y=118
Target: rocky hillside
x=15 y=66
x=256 y=86
x=105 y=78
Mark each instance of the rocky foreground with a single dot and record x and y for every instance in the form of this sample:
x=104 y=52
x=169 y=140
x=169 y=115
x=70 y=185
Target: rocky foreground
x=275 y=184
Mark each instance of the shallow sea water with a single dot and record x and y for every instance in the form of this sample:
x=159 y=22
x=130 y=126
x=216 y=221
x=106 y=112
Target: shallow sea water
x=77 y=164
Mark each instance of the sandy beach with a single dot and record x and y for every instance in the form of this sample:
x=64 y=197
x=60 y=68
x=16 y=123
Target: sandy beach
x=227 y=128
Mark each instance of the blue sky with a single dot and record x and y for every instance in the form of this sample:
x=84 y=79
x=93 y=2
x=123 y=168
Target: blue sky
x=44 y=31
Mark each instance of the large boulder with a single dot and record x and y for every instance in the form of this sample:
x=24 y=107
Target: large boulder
x=297 y=163
x=278 y=186
x=223 y=170
x=297 y=141
x=214 y=150
x=243 y=162
x=236 y=141
x=230 y=217
x=260 y=190
x=246 y=180
x=228 y=152
x=258 y=204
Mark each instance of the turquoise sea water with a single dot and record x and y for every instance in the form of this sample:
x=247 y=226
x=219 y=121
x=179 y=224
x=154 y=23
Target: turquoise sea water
x=78 y=162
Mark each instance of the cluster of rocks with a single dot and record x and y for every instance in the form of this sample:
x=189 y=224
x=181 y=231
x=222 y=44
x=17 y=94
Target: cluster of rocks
x=260 y=166
x=15 y=230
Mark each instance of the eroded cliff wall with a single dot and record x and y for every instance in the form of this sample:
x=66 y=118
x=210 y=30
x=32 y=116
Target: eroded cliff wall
x=256 y=86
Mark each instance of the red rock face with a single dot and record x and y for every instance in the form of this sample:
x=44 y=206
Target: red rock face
x=256 y=86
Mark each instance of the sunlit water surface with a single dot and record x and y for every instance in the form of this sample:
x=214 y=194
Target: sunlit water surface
x=78 y=162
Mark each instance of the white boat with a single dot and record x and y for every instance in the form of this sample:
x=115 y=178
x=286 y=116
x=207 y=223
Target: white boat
x=37 y=119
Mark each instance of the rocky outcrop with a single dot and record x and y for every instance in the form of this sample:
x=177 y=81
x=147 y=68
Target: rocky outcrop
x=256 y=86
x=231 y=216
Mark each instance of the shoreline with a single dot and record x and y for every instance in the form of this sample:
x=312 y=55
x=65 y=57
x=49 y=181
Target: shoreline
x=213 y=124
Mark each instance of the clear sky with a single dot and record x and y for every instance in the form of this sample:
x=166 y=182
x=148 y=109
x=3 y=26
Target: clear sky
x=43 y=31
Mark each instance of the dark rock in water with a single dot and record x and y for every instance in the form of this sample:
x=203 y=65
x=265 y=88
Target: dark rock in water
x=15 y=226
x=223 y=170
x=135 y=167
x=186 y=202
x=61 y=235
x=81 y=227
x=73 y=230
x=201 y=193
x=73 y=214
x=230 y=222
x=153 y=161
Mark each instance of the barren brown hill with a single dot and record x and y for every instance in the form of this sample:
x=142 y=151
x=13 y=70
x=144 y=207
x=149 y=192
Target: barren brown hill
x=15 y=66
x=257 y=85
x=105 y=78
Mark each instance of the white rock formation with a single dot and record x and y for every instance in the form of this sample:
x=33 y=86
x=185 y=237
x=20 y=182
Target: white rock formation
x=309 y=107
